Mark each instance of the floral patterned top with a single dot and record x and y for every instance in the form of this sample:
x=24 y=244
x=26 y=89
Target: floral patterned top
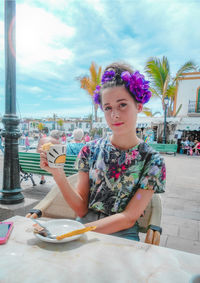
x=115 y=175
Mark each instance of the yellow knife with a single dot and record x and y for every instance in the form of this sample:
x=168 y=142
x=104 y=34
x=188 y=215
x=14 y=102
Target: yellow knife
x=76 y=232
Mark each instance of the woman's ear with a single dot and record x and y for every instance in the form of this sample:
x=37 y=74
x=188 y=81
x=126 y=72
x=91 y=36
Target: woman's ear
x=139 y=107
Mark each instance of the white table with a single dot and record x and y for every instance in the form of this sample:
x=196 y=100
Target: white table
x=92 y=258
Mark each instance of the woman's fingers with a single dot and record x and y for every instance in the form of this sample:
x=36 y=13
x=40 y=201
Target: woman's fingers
x=43 y=160
x=32 y=215
x=28 y=215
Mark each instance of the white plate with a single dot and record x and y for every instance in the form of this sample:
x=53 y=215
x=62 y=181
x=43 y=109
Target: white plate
x=61 y=226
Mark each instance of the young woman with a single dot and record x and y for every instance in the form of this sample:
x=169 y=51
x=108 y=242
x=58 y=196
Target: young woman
x=118 y=174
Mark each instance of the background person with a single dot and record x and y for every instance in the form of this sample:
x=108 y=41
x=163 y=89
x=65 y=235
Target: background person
x=63 y=138
x=27 y=143
x=197 y=147
x=118 y=174
x=87 y=138
x=74 y=147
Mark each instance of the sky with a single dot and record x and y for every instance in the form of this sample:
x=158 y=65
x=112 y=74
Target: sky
x=57 y=40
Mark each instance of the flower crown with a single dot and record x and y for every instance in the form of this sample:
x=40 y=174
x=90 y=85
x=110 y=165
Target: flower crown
x=135 y=83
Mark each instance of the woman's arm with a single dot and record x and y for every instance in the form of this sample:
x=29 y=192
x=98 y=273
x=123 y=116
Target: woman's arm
x=128 y=217
x=77 y=199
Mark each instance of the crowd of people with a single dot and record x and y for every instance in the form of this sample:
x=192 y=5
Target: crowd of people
x=190 y=147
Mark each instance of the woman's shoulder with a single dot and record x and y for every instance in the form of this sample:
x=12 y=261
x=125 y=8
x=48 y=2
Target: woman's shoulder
x=146 y=151
x=144 y=147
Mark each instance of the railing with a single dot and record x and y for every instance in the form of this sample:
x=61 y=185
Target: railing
x=192 y=107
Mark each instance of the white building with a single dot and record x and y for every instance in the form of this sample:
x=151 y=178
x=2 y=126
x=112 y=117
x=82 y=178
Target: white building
x=188 y=95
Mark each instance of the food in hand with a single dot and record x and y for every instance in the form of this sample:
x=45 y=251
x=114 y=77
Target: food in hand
x=46 y=146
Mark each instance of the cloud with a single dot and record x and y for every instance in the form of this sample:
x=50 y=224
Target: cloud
x=29 y=90
x=43 y=42
x=35 y=89
x=57 y=40
x=73 y=112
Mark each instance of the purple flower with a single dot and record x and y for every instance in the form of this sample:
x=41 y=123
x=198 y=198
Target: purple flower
x=126 y=76
x=137 y=85
x=107 y=76
x=96 y=96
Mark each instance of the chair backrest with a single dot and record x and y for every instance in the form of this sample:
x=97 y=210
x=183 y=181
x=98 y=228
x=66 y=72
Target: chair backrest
x=152 y=214
x=57 y=207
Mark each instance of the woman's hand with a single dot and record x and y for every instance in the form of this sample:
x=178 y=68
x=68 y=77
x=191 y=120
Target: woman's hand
x=44 y=164
x=31 y=215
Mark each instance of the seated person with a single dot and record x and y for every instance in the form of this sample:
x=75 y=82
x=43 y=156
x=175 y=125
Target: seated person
x=74 y=147
x=197 y=147
x=118 y=174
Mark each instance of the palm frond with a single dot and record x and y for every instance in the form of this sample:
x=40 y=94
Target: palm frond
x=93 y=72
x=158 y=71
x=99 y=75
x=154 y=92
x=86 y=84
x=171 y=91
x=188 y=66
x=180 y=106
x=165 y=86
x=89 y=83
x=157 y=112
x=148 y=112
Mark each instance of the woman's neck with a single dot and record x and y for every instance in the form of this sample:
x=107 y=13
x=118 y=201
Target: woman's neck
x=124 y=142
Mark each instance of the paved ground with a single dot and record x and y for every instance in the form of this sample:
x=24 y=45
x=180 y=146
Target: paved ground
x=181 y=202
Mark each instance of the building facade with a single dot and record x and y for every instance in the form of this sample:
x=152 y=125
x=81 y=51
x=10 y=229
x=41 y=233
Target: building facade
x=188 y=95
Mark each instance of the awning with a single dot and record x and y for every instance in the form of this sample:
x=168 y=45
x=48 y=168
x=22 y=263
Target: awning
x=189 y=124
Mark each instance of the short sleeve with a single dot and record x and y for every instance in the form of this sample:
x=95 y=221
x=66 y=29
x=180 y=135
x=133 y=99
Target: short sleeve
x=154 y=174
x=82 y=162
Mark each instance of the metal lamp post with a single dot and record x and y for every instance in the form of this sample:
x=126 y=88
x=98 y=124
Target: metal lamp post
x=11 y=191
x=166 y=101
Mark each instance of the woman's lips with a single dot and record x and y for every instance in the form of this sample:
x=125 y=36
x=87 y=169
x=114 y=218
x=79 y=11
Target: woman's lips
x=118 y=124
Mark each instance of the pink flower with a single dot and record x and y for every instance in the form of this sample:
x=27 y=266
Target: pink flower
x=131 y=157
x=163 y=171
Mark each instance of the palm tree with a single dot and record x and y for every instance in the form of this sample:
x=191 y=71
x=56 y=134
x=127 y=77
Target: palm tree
x=40 y=126
x=162 y=83
x=89 y=83
x=60 y=123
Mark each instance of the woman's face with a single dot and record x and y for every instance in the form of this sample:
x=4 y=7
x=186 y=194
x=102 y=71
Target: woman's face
x=120 y=110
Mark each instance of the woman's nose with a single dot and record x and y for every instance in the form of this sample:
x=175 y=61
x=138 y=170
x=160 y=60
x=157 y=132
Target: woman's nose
x=115 y=114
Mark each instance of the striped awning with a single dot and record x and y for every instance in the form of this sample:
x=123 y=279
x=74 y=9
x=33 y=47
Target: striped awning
x=189 y=124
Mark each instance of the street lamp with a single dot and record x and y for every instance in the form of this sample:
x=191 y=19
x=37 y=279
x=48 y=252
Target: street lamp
x=166 y=101
x=11 y=191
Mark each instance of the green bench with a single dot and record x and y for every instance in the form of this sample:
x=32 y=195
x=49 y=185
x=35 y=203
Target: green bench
x=30 y=164
x=167 y=148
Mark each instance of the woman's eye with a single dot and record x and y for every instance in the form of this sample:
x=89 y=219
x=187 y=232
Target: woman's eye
x=107 y=108
x=122 y=105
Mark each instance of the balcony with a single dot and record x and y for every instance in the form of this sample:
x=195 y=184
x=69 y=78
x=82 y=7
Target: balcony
x=193 y=109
